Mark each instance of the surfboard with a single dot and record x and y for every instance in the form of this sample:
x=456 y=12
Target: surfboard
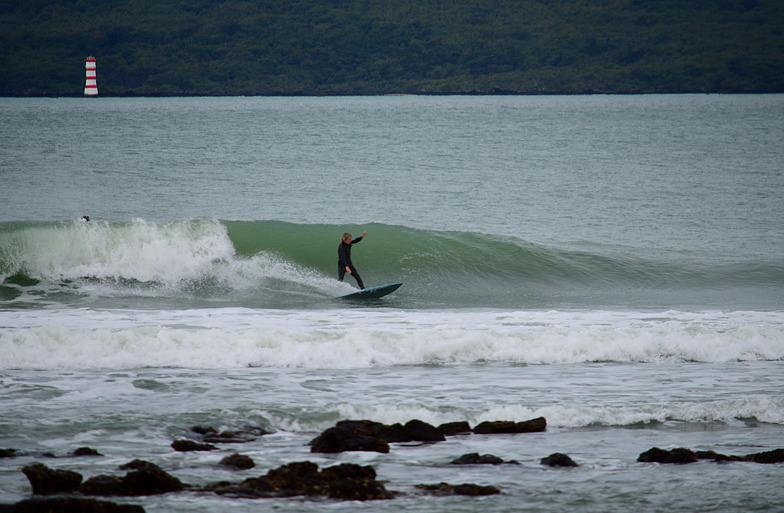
x=373 y=292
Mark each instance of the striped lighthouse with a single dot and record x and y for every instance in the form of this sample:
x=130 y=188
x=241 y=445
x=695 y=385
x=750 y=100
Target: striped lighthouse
x=90 y=85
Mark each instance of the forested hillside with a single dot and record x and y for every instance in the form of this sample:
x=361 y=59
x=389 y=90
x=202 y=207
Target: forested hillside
x=232 y=47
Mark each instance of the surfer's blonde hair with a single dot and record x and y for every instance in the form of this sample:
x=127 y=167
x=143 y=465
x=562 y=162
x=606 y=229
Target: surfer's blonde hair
x=346 y=236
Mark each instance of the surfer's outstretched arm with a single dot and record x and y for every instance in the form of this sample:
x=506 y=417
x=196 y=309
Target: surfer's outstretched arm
x=359 y=238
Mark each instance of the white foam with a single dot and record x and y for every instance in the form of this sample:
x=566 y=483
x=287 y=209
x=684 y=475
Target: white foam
x=339 y=339
x=763 y=408
x=142 y=258
x=139 y=250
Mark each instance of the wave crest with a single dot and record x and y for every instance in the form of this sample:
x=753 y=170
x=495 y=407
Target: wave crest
x=284 y=262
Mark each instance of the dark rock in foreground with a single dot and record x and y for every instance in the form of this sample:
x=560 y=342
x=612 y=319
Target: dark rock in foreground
x=558 y=459
x=418 y=431
x=367 y=435
x=506 y=426
x=719 y=458
x=461 y=489
x=656 y=455
x=474 y=458
x=681 y=455
x=347 y=481
x=139 y=465
x=337 y=439
x=774 y=456
x=46 y=481
x=146 y=479
x=211 y=435
x=72 y=505
x=239 y=461
x=455 y=428
x=190 y=445
x=86 y=451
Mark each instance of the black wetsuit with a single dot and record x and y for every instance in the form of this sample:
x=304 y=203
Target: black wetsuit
x=344 y=260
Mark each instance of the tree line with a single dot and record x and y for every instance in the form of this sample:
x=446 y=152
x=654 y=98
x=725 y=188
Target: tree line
x=272 y=47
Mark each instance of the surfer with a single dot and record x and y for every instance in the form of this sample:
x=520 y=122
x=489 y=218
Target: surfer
x=344 y=258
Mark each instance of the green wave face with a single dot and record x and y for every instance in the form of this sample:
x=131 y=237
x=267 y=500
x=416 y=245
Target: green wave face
x=264 y=263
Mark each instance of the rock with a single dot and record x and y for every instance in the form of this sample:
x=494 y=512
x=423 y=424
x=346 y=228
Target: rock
x=190 y=445
x=147 y=480
x=229 y=437
x=656 y=455
x=204 y=430
x=103 y=485
x=151 y=482
x=440 y=488
x=46 y=481
x=718 y=458
x=495 y=427
x=413 y=431
x=347 y=481
x=474 y=458
x=253 y=487
x=505 y=426
x=238 y=461
x=774 y=456
x=722 y=458
x=558 y=459
x=211 y=435
x=455 y=428
x=462 y=489
x=297 y=478
x=536 y=425
x=349 y=471
x=682 y=455
x=367 y=435
x=476 y=490
x=336 y=439
x=73 y=505
x=418 y=431
x=7 y=453
x=86 y=451
x=139 y=465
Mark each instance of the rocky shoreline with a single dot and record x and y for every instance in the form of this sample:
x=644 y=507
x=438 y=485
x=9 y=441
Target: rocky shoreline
x=65 y=491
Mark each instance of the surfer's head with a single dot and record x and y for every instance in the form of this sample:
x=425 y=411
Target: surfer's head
x=346 y=238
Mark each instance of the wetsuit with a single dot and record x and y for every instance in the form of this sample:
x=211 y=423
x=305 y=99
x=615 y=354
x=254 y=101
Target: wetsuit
x=344 y=260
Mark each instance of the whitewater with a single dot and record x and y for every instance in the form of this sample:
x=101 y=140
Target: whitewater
x=333 y=339
x=613 y=264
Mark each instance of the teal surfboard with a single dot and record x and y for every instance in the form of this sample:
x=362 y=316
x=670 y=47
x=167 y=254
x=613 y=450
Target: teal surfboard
x=373 y=292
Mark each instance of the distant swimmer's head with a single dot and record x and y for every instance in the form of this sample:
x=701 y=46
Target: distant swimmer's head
x=86 y=219
x=347 y=238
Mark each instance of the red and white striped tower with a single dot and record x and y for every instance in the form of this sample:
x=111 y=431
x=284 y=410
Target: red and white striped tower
x=90 y=85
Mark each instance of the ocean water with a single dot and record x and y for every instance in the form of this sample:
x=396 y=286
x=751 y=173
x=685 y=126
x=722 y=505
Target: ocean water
x=612 y=263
